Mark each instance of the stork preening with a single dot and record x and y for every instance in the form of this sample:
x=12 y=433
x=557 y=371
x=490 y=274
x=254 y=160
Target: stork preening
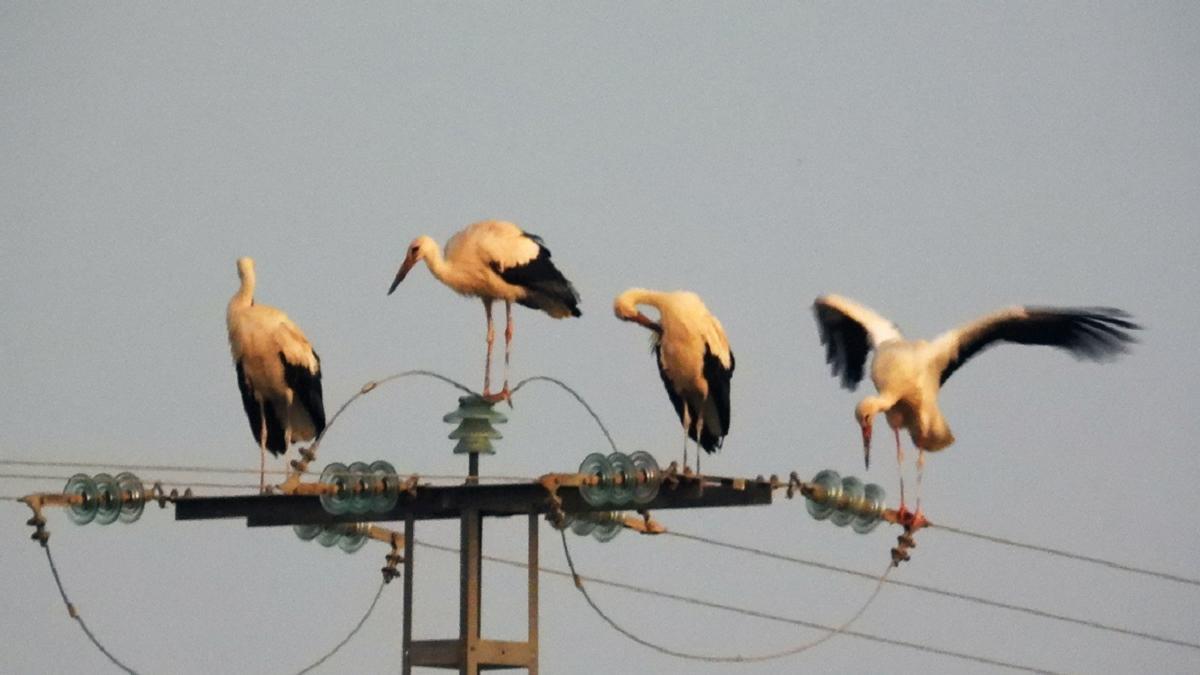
x=694 y=361
x=908 y=374
x=495 y=260
x=278 y=372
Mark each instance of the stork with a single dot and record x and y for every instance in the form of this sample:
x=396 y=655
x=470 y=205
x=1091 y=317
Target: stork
x=495 y=260
x=908 y=374
x=694 y=361
x=278 y=372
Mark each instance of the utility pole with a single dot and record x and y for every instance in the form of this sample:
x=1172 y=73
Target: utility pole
x=471 y=503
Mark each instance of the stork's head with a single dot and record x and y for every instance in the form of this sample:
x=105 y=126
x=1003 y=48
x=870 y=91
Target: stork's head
x=625 y=309
x=864 y=413
x=420 y=249
x=245 y=267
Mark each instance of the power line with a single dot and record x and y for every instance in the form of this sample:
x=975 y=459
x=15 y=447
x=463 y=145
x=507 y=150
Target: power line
x=169 y=468
x=74 y=613
x=931 y=589
x=818 y=565
x=185 y=469
x=351 y=634
x=717 y=659
x=578 y=397
x=231 y=486
x=745 y=611
x=370 y=386
x=135 y=467
x=79 y=619
x=1067 y=554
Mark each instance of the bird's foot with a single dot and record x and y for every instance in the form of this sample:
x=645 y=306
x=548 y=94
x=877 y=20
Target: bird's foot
x=918 y=519
x=502 y=395
x=910 y=520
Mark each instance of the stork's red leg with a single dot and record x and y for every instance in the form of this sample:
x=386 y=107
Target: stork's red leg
x=262 y=447
x=900 y=467
x=687 y=420
x=920 y=475
x=508 y=335
x=699 y=435
x=491 y=337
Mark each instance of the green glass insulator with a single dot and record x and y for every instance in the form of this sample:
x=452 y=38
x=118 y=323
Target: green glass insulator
x=582 y=525
x=329 y=535
x=874 y=503
x=84 y=511
x=361 y=487
x=352 y=540
x=307 y=532
x=851 y=501
x=624 y=478
x=133 y=497
x=598 y=467
x=607 y=529
x=108 y=499
x=831 y=482
x=475 y=417
x=337 y=500
x=649 y=477
x=383 y=473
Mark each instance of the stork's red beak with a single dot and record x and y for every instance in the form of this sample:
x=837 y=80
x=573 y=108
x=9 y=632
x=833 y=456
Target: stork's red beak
x=645 y=321
x=409 y=261
x=866 y=433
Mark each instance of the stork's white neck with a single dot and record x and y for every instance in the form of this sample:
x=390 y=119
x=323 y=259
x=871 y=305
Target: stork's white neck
x=245 y=294
x=641 y=296
x=443 y=270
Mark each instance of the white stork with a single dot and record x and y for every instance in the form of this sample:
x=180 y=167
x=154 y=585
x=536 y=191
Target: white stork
x=278 y=372
x=495 y=260
x=909 y=373
x=694 y=360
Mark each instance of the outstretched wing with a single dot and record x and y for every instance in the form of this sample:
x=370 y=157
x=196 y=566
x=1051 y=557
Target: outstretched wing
x=1094 y=333
x=848 y=331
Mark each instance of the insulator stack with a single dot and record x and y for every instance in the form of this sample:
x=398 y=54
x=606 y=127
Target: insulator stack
x=602 y=525
x=846 y=501
x=620 y=479
x=105 y=499
x=360 y=487
x=347 y=536
x=475 y=432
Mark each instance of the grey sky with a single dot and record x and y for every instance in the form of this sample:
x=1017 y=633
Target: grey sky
x=934 y=161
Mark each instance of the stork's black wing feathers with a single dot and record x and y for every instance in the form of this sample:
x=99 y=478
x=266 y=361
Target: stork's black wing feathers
x=718 y=378
x=846 y=344
x=676 y=399
x=254 y=414
x=548 y=289
x=276 y=443
x=1094 y=333
x=306 y=388
x=249 y=404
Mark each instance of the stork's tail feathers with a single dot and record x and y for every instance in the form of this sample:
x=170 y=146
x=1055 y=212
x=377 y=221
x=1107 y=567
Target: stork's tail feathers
x=559 y=303
x=936 y=435
x=708 y=440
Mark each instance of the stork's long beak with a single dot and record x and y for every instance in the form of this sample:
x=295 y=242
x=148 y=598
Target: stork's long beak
x=866 y=433
x=645 y=321
x=409 y=261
